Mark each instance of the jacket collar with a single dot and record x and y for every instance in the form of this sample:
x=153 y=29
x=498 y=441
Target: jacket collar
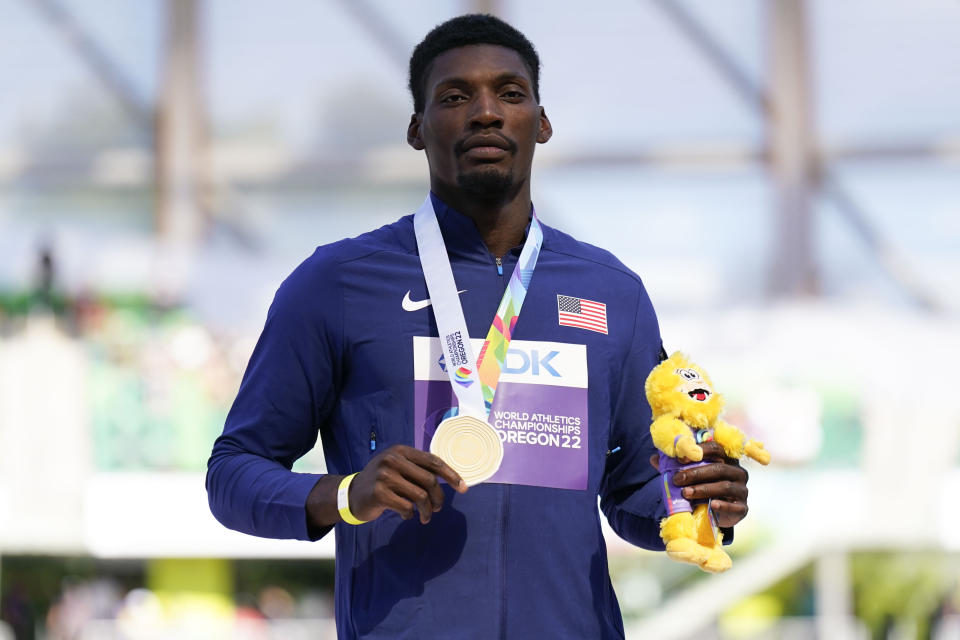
x=460 y=234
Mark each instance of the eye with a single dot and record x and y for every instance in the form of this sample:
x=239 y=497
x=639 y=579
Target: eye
x=513 y=94
x=453 y=98
x=687 y=374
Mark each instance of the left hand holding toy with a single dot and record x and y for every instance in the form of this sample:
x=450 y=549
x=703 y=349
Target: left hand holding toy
x=724 y=483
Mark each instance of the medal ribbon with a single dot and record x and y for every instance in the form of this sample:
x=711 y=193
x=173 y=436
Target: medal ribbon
x=474 y=380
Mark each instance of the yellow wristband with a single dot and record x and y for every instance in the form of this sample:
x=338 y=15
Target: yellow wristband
x=343 y=501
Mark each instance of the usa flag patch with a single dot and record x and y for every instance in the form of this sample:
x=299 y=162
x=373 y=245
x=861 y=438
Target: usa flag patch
x=581 y=313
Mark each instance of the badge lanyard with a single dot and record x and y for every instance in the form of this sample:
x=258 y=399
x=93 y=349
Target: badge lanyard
x=474 y=380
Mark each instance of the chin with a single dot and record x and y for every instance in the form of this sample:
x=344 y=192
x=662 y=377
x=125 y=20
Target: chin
x=487 y=183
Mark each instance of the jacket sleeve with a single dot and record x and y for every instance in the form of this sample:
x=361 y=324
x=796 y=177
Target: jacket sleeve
x=287 y=392
x=630 y=495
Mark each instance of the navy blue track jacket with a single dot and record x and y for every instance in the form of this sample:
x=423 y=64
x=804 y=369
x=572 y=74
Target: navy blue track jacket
x=335 y=359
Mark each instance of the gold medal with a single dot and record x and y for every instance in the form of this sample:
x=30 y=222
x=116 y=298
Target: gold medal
x=470 y=446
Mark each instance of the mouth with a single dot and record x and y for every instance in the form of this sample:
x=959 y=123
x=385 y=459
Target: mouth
x=700 y=395
x=486 y=153
x=486 y=147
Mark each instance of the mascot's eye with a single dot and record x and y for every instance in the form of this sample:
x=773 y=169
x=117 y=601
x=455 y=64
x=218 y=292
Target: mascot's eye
x=688 y=374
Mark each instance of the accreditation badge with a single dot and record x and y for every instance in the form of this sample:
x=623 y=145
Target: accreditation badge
x=539 y=414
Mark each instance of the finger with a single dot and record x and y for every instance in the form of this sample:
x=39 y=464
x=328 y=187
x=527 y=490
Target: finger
x=723 y=489
x=424 y=479
x=715 y=472
x=394 y=474
x=437 y=466
x=390 y=500
x=655 y=461
x=728 y=513
x=428 y=481
x=713 y=451
x=416 y=494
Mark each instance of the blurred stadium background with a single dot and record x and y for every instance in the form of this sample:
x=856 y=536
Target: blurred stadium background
x=784 y=175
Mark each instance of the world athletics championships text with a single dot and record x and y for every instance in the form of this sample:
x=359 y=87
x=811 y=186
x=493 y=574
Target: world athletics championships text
x=541 y=422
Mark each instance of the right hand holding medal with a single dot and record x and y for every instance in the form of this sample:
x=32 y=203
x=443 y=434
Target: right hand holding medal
x=399 y=478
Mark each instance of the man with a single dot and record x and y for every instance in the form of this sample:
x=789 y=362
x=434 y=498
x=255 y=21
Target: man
x=346 y=352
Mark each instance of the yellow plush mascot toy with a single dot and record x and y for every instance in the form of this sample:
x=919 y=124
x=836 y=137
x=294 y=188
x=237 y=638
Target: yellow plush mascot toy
x=686 y=412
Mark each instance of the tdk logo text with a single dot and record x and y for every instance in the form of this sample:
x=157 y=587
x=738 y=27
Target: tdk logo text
x=519 y=361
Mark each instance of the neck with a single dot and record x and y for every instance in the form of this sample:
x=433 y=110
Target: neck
x=501 y=222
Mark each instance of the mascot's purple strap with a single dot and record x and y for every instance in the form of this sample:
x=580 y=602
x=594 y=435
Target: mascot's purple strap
x=673 y=500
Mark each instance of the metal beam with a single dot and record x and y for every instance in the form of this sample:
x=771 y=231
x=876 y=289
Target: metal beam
x=381 y=32
x=716 y=55
x=491 y=7
x=947 y=150
x=182 y=169
x=76 y=170
x=96 y=58
x=798 y=167
x=889 y=259
x=786 y=112
x=793 y=161
x=833 y=595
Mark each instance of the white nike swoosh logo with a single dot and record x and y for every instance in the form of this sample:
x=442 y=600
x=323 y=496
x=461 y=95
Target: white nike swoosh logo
x=416 y=305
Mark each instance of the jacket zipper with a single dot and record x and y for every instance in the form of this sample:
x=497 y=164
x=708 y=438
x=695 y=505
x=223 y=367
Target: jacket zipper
x=373 y=437
x=504 y=513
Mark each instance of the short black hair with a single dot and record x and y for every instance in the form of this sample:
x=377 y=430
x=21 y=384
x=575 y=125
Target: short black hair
x=473 y=28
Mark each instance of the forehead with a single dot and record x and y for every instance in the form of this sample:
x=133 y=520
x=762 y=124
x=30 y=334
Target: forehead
x=476 y=62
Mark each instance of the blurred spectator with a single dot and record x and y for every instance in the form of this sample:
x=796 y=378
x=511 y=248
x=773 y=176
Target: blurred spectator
x=17 y=610
x=44 y=294
x=276 y=603
x=46 y=271
x=79 y=603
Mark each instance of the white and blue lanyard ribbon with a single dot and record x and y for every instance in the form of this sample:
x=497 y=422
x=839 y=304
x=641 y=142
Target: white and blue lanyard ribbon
x=461 y=362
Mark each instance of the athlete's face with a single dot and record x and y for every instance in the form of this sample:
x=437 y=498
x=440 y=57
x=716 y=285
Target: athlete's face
x=480 y=121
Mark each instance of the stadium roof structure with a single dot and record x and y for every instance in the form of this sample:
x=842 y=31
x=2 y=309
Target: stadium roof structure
x=809 y=99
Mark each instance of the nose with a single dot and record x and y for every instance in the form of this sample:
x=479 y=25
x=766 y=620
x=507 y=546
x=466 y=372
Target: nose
x=486 y=111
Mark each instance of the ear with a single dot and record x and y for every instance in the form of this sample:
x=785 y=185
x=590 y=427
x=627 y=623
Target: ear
x=413 y=133
x=546 y=129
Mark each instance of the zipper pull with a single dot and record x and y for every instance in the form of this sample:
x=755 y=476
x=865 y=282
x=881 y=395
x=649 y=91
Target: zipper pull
x=373 y=441
x=499 y=266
